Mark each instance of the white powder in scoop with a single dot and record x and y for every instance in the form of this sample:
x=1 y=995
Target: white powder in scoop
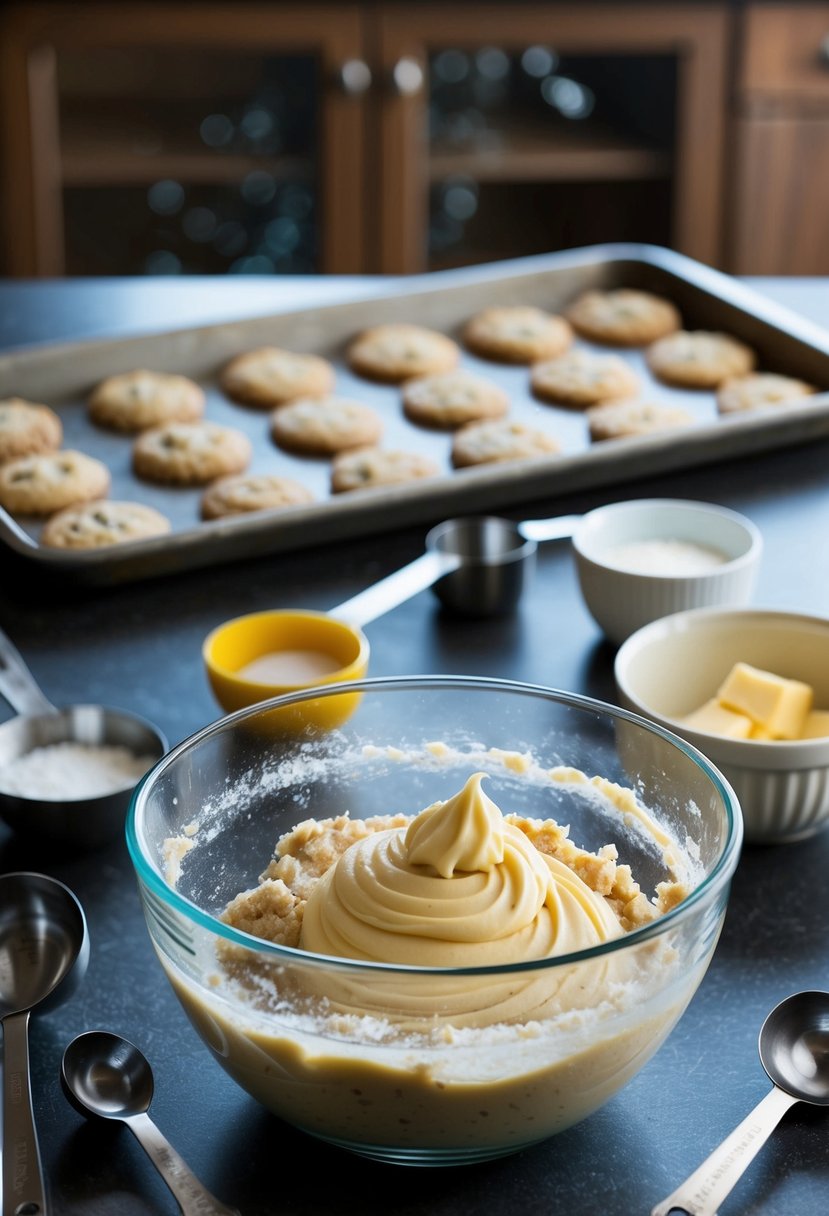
x=67 y=772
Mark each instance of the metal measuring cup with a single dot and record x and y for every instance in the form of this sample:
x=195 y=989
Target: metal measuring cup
x=477 y=565
x=84 y=822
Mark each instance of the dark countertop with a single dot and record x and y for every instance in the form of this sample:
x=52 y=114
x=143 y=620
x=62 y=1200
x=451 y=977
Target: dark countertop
x=138 y=646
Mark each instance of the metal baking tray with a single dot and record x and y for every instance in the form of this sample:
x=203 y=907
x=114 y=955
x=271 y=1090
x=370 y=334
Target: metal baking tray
x=62 y=376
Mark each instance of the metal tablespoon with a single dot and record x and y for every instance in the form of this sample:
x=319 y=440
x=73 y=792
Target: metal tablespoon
x=44 y=951
x=794 y=1050
x=105 y=1075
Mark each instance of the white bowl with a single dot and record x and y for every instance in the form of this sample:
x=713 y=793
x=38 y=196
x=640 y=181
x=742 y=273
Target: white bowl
x=621 y=600
x=671 y=667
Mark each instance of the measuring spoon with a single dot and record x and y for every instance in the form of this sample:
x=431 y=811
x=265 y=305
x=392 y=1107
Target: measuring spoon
x=477 y=565
x=794 y=1050
x=44 y=951
x=86 y=822
x=104 y=1075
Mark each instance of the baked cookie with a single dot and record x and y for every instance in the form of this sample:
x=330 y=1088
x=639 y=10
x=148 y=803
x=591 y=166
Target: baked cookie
x=135 y=401
x=580 y=378
x=396 y=352
x=325 y=427
x=623 y=317
x=624 y=419
x=517 y=333
x=50 y=481
x=27 y=428
x=251 y=492
x=190 y=453
x=91 y=525
x=699 y=359
x=486 y=442
x=267 y=377
x=760 y=390
x=452 y=399
x=369 y=467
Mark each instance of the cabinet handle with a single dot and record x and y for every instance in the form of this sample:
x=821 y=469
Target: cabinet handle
x=823 y=51
x=407 y=77
x=354 y=77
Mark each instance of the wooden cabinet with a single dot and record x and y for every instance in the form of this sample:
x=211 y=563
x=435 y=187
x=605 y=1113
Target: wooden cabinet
x=615 y=174
x=403 y=137
x=780 y=215
x=101 y=103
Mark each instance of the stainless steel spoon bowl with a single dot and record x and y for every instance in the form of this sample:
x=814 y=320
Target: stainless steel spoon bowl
x=106 y=1076
x=83 y=822
x=794 y=1050
x=44 y=951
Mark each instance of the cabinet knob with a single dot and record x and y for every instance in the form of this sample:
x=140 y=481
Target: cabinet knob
x=407 y=77
x=354 y=77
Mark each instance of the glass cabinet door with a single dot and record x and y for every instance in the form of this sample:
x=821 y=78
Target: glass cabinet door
x=198 y=139
x=512 y=131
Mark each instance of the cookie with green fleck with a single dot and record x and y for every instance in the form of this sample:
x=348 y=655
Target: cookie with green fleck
x=50 y=481
x=93 y=525
x=517 y=333
x=190 y=453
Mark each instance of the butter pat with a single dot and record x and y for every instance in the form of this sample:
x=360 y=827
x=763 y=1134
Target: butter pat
x=777 y=706
x=717 y=720
x=816 y=725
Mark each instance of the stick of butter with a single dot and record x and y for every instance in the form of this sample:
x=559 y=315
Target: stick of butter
x=777 y=706
x=718 y=720
x=816 y=725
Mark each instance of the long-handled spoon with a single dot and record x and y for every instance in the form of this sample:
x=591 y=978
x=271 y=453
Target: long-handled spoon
x=44 y=951
x=794 y=1050
x=103 y=1074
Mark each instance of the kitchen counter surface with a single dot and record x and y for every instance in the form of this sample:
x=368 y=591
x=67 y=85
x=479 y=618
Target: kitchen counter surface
x=138 y=646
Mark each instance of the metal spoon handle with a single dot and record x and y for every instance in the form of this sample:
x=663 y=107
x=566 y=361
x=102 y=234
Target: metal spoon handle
x=17 y=684
x=23 y=1189
x=704 y=1191
x=192 y=1197
x=556 y=528
x=396 y=588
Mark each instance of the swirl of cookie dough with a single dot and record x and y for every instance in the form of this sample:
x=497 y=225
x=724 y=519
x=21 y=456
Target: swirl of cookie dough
x=460 y=887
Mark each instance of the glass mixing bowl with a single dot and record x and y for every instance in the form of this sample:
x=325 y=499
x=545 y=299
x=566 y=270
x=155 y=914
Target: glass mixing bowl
x=419 y=1065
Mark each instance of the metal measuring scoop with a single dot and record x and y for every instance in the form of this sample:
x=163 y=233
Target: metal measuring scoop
x=86 y=822
x=477 y=566
x=794 y=1050
x=44 y=951
x=104 y=1075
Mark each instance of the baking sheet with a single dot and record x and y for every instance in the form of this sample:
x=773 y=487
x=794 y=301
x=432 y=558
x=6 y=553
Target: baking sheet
x=62 y=376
